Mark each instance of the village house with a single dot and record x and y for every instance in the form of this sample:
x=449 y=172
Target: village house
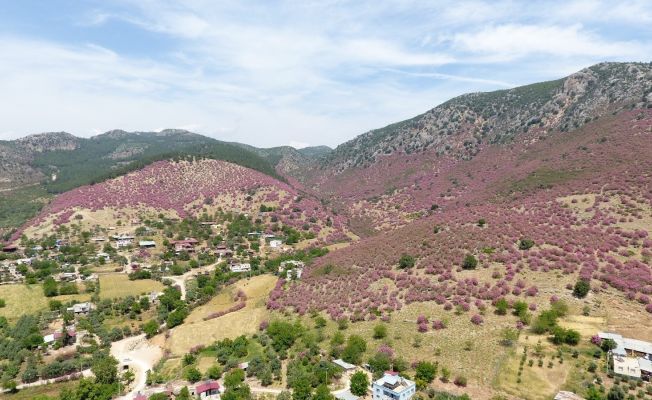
x=563 y=395
x=147 y=244
x=344 y=365
x=67 y=276
x=123 y=240
x=241 y=267
x=631 y=357
x=105 y=256
x=275 y=244
x=393 y=387
x=50 y=339
x=223 y=251
x=81 y=308
x=188 y=244
x=208 y=390
x=293 y=268
x=10 y=249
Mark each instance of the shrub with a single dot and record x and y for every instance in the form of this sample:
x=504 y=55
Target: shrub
x=380 y=331
x=525 y=244
x=192 y=374
x=592 y=367
x=406 y=261
x=426 y=371
x=359 y=383
x=470 y=262
x=581 y=288
x=445 y=374
x=460 y=381
x=501 y=306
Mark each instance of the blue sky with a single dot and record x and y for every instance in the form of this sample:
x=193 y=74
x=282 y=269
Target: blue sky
x=287 y=72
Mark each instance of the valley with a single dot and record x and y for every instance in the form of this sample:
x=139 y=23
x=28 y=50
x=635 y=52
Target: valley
x=487 y=249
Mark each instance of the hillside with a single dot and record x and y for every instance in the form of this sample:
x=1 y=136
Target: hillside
x=34 y=168
x=187 y=188
x=461 y=126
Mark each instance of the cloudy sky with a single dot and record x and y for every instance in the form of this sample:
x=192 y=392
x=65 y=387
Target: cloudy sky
x=287 y=72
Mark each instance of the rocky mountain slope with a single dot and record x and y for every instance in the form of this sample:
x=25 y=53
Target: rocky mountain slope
x=462 y=125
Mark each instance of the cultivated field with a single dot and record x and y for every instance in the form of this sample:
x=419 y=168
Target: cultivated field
x=195 y=331
x=28 y=299
x=118 y=285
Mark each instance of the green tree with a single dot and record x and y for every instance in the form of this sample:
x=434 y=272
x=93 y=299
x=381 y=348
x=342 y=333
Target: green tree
x=607 y=345
x=184 y=394
x=214 y=372
x=322 y=393
x=283 y=334
x=581 y=288
x=525 y=244
x=380 y=331
x=301 y=389
x=192 y=374
x=406 y=261
x=616 y=393
x=150 y=328
x=50 y=287
x=470 y=262
x=104 y=367
x=359 y=383
x=355 y=347
x=426 y=371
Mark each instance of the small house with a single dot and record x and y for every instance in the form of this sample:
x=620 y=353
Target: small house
x=344 y=365
x=241 y=267
x=121 y=243
x=187 y=244
x=147 y=244
x=275 y=243
x=208 y=390
x=67 y=276
x=81 y=308
x=10 y=249
x=393 y=387
x=563 y=395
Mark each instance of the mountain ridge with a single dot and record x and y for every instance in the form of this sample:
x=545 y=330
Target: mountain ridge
x=460 y=125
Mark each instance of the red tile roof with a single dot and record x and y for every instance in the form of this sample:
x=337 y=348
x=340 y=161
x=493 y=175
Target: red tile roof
x=206 y=386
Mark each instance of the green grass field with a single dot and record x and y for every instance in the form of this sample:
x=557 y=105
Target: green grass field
x=118 y=285
x=28 y=299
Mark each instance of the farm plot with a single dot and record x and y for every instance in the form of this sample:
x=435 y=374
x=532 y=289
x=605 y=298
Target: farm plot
x=118 y=285
x=195 y=331
x=28 y=299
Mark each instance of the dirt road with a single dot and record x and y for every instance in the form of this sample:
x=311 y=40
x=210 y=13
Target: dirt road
x=139 y=355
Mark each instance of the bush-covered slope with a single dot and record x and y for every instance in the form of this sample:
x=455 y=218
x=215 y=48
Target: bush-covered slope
x=573 y=206
x=462 y=125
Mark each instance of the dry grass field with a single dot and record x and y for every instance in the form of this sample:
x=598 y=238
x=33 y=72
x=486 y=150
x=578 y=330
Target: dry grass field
x=51 y=390
x=118 y=285
x=27 y=299
x=196 y=331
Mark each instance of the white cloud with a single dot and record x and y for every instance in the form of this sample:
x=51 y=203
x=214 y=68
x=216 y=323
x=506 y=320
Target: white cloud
x=315 y=72
x=511 y=41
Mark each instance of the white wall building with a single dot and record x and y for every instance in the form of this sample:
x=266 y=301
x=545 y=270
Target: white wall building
x=392 y=387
